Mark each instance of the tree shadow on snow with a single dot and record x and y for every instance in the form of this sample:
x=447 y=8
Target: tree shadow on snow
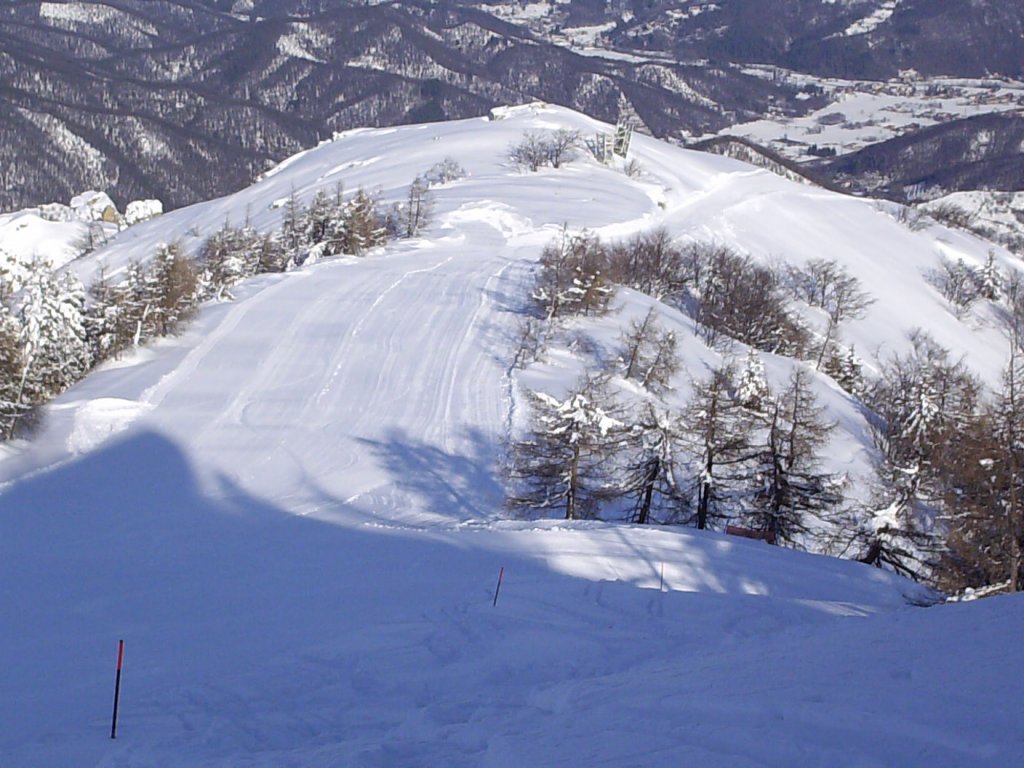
x=459 y=486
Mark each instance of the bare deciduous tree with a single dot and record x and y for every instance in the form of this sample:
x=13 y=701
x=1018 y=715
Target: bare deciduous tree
x=554 y=148
x=648 y=354
x=563 y=146
x=719 y=432
x=418 y=207
x=742 y=300
x=791 y=489
x=651 y=263
x=959 y=283
x=572 y=277
x=826 y=284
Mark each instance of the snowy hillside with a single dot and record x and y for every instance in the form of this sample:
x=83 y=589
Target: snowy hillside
x=293 y=513
x=57 y=234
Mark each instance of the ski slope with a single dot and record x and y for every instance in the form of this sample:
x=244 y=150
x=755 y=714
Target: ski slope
x=292 y=515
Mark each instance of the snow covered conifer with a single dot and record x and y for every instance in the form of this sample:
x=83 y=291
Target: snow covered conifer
x=104 y=319
x=273 y=254
x=991 y=279
x=572 y=277
x=136 y=300
x=925 y=406
x=923 y=400
x=321 y=212
x=228 y=256
x=557 y=465
x=52 y=332
x=752 y=388
x=650 y=473
x=844 y=368
x=335 y=236
x=11 y=371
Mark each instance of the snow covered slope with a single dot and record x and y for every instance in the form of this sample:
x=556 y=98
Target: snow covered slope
x=292 y=514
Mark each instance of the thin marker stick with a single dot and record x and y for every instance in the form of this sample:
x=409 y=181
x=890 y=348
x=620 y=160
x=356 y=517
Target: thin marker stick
x=117 y=687
x=501 y=576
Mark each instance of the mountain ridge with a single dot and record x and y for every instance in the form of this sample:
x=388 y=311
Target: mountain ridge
x=137 y=100
x=291 y=513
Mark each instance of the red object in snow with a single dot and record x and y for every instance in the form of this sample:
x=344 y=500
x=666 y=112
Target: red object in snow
x=750 y=533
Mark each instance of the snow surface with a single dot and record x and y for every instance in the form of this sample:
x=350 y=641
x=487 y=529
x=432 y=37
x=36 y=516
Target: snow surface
x=138 y=211
x=26 y=235
x=292 y=513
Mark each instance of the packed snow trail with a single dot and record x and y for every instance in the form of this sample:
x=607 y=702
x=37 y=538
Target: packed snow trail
x=341 y=375
x=292 y=517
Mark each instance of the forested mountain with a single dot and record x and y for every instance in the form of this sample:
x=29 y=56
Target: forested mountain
x=857 y=39
x=181 y=101
x=185 y=100
x=981 y=152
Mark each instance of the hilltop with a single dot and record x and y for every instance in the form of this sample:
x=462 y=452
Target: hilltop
x=292 y=512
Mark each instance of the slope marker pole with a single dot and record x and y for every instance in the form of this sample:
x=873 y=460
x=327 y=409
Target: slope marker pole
x=497 y=589
x=117 y=688
x=661 y=586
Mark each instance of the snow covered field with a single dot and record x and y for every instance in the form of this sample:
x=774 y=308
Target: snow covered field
x=861 y=113
x=292 y=514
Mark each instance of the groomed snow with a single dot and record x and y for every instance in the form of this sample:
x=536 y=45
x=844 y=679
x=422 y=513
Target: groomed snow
x=292 y=515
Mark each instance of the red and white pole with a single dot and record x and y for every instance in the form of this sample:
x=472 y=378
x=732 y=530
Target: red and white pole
x=117 y=687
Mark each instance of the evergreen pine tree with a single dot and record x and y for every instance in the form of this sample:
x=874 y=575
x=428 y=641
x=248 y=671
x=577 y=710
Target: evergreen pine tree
x=336 y=236
x=103 y=318
x=318 y=219
x=52 y=333
x=991 y=279
x=364 y=226
x=174 y=285
x=11 y=371
x=752 y=387
x=273 y=255
x=136 y=299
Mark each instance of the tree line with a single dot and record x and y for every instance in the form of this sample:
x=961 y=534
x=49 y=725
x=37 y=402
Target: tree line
x=945 y=502
x=54 y=330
